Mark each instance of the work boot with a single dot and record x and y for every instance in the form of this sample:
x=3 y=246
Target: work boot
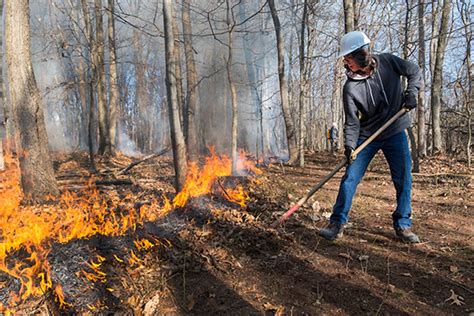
x=406 y=235
x=332 y=231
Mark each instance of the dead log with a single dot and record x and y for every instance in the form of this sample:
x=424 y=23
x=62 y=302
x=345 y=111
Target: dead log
x=133 y=164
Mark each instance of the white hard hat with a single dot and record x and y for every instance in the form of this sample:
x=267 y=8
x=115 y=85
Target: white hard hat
x=352 y=41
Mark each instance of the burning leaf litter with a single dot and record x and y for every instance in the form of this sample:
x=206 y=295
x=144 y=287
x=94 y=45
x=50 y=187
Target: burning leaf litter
x=29 y=236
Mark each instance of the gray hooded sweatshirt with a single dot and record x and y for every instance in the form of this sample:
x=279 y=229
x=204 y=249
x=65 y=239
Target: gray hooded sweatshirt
x=371 y=101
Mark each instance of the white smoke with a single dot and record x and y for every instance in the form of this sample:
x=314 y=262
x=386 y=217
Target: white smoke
x=126 y=145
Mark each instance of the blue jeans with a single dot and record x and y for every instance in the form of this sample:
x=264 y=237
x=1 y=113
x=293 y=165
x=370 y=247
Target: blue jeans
x=396 y=151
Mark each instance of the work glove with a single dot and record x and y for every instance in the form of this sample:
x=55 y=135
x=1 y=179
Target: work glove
x=348 y=152
x=410 y=100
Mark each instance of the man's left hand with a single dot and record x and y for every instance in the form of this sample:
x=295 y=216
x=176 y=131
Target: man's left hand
x=410 y=101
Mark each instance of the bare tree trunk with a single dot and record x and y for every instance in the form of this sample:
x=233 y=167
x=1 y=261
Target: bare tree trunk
x=411 y=135
x=91 y=41
x=435 y=23
x=356 y=5
x=421 y=95
x=435 y=29
x=349 y=15
x=191 y=81
x=437 y=86
x=233 y=92
x=81 y=71
x=335 y=98
x=284 y=98
x=469 y=114
x=98 y=56
x=179 y=76
x=302 y=86
x=141 y=94
x=177 y=137
x=260 y=70
x=292 y=83
x=7 y=107
x=114 y=103
x=466 y=18
x=2 y=116
x=37 y=174
x=252 y=80
x=310 y=127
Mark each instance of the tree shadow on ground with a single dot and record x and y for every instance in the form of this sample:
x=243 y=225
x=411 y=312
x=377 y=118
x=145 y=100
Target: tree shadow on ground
x=285 y=279
x=391 y=261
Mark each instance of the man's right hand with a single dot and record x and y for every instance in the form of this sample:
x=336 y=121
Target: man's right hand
x=348 y=151
x=410 y=100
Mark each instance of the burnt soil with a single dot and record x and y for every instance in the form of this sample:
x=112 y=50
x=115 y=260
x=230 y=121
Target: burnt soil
x=223 y=259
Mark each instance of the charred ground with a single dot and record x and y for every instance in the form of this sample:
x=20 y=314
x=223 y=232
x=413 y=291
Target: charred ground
x=217 y=258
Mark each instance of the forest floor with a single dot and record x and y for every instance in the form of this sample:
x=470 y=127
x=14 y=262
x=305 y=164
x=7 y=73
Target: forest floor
x=224 y=259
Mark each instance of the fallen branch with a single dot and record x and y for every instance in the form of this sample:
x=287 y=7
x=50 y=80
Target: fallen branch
x=133 y=164
x=444 y=175
x=114 y=182
x=96 y=182
x=423 y=176
x=223 y=189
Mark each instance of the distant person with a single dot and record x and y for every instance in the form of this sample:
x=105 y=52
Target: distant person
x=333 y=135
x=373 y=94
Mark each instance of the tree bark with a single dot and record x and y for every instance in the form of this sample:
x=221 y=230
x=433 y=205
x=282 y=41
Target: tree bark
x=91 y=43
x=2 y=116
x=37 y=174
x=177 y=137
x=302 y=86
x=437 y=86
x=251 y=66
x=466 y=18
x=312 y=129
x=114 y=103
x=141 y=95
x=233 y=92
x=191 y=81
x=98 y=57
x=435 y=25
x=411 y=135
x=349 y=16
x=336 y=98
x=179 y=76
x=6 y=106
x=421 y=95
x=356 y=7
x=81 y=71
x=285 y=105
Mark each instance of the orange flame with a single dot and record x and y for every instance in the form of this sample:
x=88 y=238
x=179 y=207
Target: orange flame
x=143 y=244
x=199 y=181
x=60 y=296
x=82 y=215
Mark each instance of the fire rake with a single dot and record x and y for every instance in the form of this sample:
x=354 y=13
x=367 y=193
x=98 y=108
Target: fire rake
x=313 y=190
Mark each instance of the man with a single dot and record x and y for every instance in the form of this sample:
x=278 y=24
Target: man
x=372 y=94
x=334 y=138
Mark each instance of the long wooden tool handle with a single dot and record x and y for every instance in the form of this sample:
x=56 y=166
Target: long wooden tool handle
x=313 y=190
x=380 y=130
